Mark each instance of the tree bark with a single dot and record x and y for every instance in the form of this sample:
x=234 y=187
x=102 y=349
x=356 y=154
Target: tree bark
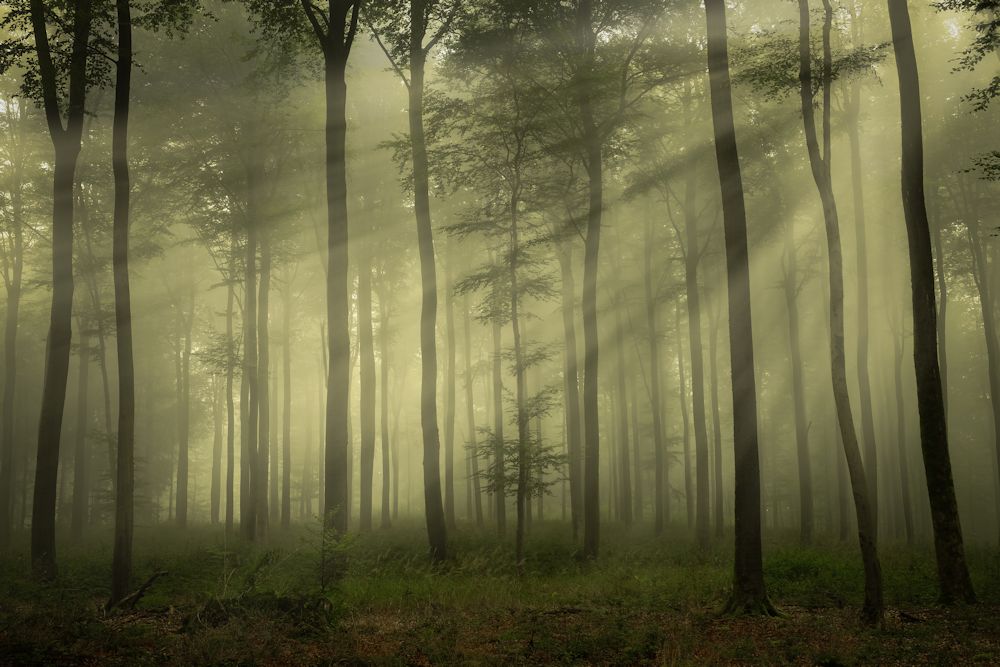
x=433 y=506
x=791 y=288
x=383 y=333
x=81 y=454
x=286 y=397
x=953 y=573
x=470 y=407
x=66 y=142
x=872 y=611
x=713 y=370
x=661 y=507
x=571 y=386
x=749 y=594
x=367 y=387
x=263 y=461
x=449 y=410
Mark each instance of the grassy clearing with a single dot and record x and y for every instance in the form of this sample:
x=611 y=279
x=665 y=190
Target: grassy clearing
x=376 y=599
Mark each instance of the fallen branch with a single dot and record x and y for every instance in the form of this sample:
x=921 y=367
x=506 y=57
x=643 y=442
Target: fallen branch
x=128 y=603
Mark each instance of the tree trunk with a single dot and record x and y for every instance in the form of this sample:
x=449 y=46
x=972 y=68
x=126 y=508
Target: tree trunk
x=686 y=421
x=624 y=465
x=904 y=469
x=594 y=163
x=472 y=447
x=230 y=406
x=571 y=386
x=872 y=610
x=953 y=573
x=383 y=332
x=520 y=390
x=449 y=411
x=713 y=369
x=183 y=412
x=661 y=511
x=263 y=391
x=215 y=498
x=864 y=379
x=499 y=488
x=434 y=509
x=791 y=288
x=942 y=317
x=749 y=594
x=367 y=352
x=81 y=472
x=286 y=397
x=248 y=459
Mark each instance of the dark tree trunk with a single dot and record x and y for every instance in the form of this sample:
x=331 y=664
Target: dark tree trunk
x=520 y=389
x=81 y=453
x=953 y=573
x=942 y=317
x=792 y=288
x=367 y=387
x=749 y=595
x=872 y=610
x=571 y=387
x=66 y=142
x=433 y=507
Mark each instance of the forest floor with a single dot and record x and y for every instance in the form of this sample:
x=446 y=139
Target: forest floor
x=376 y=600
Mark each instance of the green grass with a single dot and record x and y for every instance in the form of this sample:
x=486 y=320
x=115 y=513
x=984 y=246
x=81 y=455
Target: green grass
x=379 y=600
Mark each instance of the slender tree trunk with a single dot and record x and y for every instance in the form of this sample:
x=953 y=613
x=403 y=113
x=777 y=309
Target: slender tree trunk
x=792 y=288
x=864 y=377
x=571 y=387
x=749 y=594
x=713 y=366
x=691 y=260
x=904 y=469
x=367 y=352
x=472 y=447
x=499 y=488
x=449 y=411
x=183 y=413
x=942 y=316
x=286 y=397
x=383 y=332
x=81 y=467
x=263 y=391
x=953 y=573
x=230 y=406
x=215 y=498
x=594 y=162
x=661 y=507
x=520 y=392
x=686 y=421
x=872 y=610
x=434 y=509
x=248 y=460
x=623 y=423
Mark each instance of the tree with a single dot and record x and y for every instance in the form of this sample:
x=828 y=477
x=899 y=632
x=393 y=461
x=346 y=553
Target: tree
x=66 y=141
x=749 y=594
x=953 y=573
x=408 y=33
x=872 y=610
